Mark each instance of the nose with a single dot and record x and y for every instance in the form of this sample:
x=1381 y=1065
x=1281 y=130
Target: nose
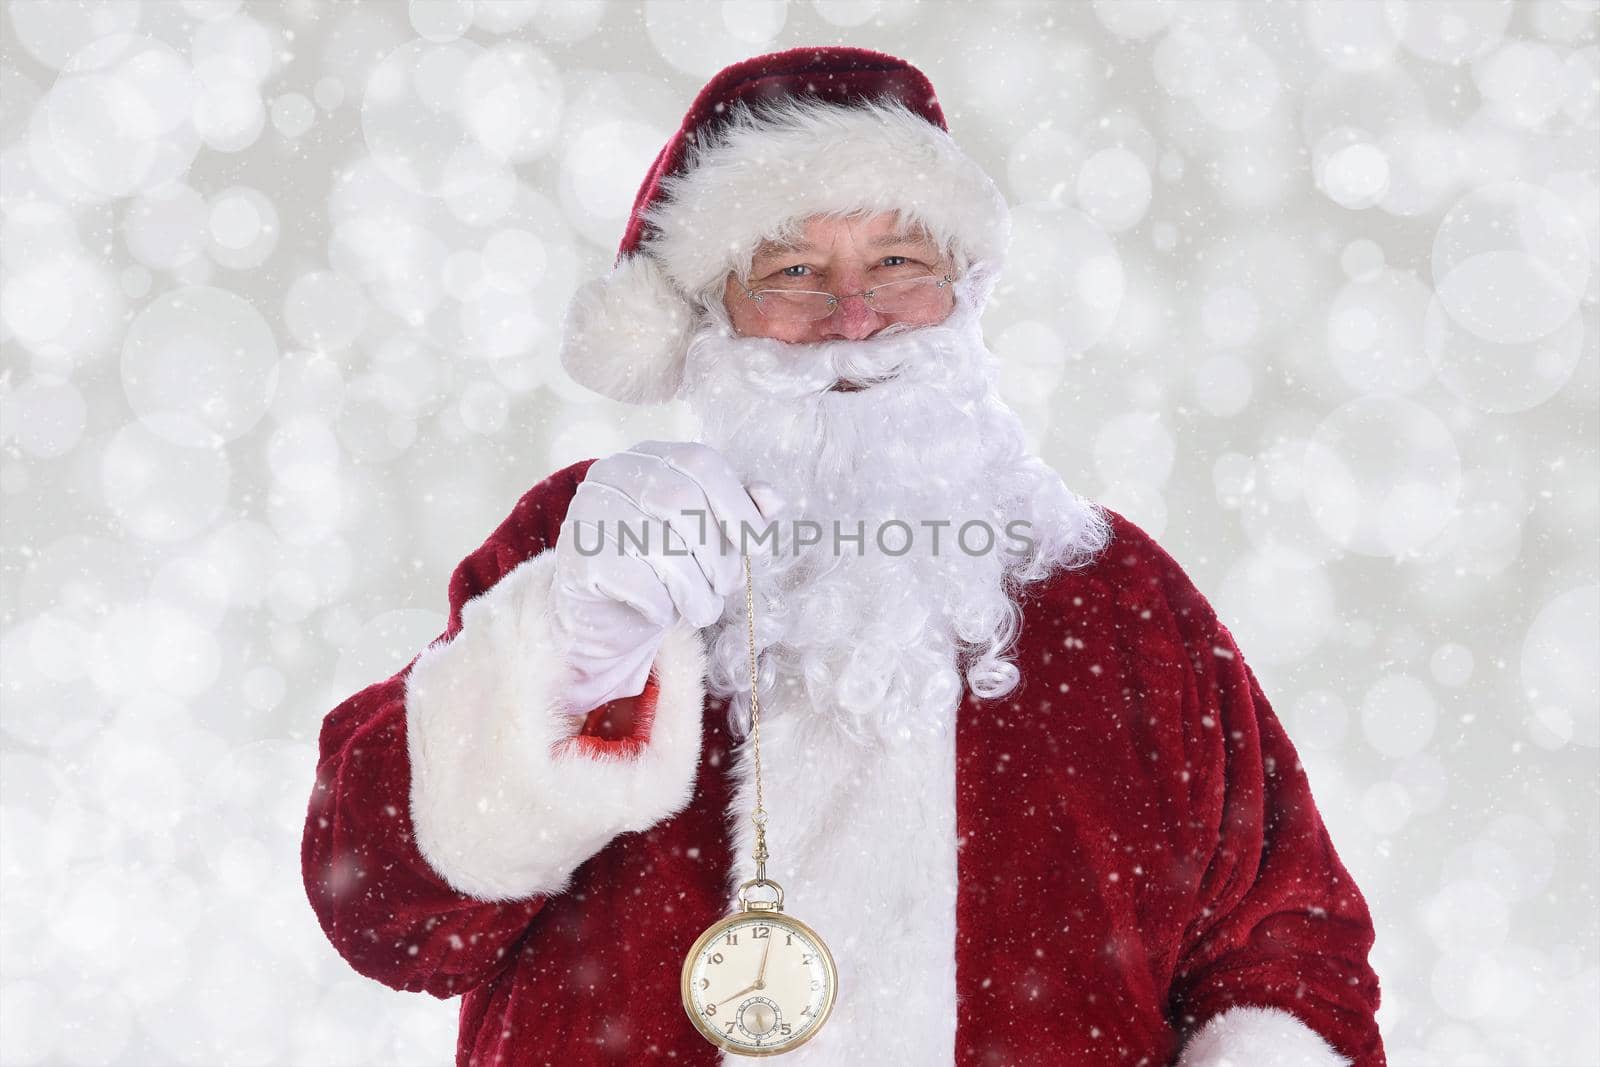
x=852 y=320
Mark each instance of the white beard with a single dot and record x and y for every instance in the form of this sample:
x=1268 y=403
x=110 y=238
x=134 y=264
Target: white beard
x=882 y=643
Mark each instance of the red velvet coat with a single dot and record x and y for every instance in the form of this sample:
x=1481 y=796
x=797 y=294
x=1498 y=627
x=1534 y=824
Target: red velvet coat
x=1143 y=875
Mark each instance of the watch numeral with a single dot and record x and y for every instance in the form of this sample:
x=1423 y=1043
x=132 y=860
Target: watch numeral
x=815 y=984
x=806 y=1010
x=711 y=1009
x=762 y=932
x=716 y=957
x=729 y=1025
x=786 y=1028
x=807 y=957
x=788 y=939
x=705 y=983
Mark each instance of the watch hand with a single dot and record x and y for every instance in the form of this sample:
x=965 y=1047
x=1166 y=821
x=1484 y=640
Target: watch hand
x=730 y=996
x=762 y=972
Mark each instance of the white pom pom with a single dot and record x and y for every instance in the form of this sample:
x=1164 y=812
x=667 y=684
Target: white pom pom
x=626 y=335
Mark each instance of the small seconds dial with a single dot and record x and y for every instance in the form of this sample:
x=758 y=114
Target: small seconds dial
x=759 y=983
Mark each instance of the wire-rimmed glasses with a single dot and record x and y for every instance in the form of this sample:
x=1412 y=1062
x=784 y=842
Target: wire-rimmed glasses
x=908 y=297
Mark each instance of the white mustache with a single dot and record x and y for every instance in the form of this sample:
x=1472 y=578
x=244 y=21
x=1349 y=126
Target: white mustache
x=793 y=370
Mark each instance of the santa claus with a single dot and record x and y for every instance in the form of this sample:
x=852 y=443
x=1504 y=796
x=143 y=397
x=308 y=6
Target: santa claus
x=1013 y=770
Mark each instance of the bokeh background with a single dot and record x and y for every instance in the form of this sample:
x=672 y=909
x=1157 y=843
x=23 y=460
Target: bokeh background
x=1307 y=289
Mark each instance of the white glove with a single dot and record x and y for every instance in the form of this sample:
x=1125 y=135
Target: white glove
x=613 y=608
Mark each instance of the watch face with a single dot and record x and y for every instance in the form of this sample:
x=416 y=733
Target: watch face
x=759 y=983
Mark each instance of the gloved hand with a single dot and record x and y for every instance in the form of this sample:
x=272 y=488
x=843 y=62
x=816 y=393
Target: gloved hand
x=613 y=608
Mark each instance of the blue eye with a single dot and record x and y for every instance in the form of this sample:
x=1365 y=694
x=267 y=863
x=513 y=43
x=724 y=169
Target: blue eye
x=798 y=266
x=902 y=259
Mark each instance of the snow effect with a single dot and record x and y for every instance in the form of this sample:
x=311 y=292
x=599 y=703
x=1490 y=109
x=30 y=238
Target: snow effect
x=1308 y=290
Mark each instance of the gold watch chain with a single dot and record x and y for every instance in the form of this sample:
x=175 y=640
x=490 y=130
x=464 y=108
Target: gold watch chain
x=759 y=815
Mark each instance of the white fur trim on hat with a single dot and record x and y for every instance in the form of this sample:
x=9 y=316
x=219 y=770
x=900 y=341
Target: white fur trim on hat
x=799 y=157
x=502 y=807
x=625 y=336
x=1248 y=1036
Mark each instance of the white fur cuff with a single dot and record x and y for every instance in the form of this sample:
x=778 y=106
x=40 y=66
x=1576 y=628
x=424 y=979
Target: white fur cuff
x=501 y=808
x=1245 y=1036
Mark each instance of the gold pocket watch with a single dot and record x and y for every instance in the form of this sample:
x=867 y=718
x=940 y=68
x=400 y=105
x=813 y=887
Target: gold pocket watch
x=760 y=982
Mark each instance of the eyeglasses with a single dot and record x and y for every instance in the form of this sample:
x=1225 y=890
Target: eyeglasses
x=908 y=297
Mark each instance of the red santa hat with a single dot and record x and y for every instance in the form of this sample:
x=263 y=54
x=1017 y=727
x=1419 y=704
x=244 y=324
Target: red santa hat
x=768 y=143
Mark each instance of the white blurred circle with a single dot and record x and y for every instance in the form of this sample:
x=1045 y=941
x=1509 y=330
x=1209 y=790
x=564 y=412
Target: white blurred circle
x=1501 y=377
x=1375 y=103
x=1451 y=664
x=1510 y=262
x=1033 y=362
x=1448 y=31
x=1522 y=82
x=1560 y=665
x=440 y=20
x=1356 y=175
x=1114 y=189
x=1230 y=315
x=46 y=416
x=1137 y=21
x=1514 y=853
x=1496 y=988
x=1040 y=163
x=1245 y=87
x=141 y=784
x=513 y=260
x=1139 y=502
x=1398 y=715
x=165 y=228
x=503 y=16
x=236 y=48
x=1425 y=780
x=1222 y=385
x=33 y=1020
x=52 y=32
x=411 y=117
x=152 y=645
x=376 y=422
x=1064 y=254
x=242 y=226
x=700 y=37
x=568 y=20
x=229 y=113
x=324 y=310
x=846 y=12
x=199 y=366
x=1466 y=913
x=160 y=491
x=1135 y=447
x=1386 y=807
x=1348 y=36
x=1381 y=476
x=1234 y=477
x=292 y=114
x=1185 y=63
x=120 y=115
x=496 y=325
x=484 y=408
x=301 y=450
x=1362 y=258
x=1279 y=602
x=1321 y=720
x=1374 y=328
x=329 y=93
x=511 y=100
x=600 y=173
x=263 y=687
